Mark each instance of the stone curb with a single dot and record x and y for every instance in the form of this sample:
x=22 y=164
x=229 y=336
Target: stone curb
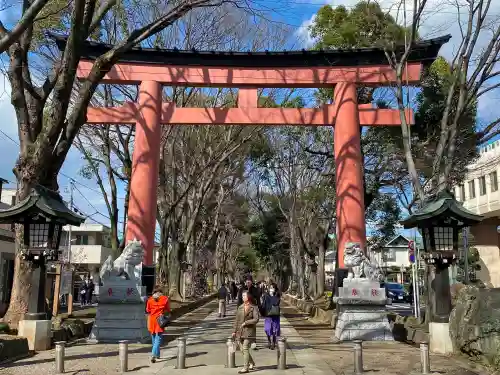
x=17 y=358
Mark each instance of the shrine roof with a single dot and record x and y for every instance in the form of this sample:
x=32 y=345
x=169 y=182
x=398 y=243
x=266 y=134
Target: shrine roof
x=424 y=52
x=441 y=207
x=41 y=202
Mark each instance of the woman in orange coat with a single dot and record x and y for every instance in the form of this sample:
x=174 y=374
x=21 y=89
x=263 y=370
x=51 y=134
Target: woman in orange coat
x=156 y=306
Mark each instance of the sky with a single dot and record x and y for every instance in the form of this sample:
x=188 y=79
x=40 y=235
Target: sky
x=440 y=18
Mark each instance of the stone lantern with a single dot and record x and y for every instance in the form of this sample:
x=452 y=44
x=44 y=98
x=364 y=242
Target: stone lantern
x=42 y=214
x=439 y=221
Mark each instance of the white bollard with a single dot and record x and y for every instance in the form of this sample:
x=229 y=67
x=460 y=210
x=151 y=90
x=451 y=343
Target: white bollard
x=231 y=355
x=123 y=355
x=60 y=354
x=181 y=353
x=282 y=353
x=424 y=358
x=358 y=357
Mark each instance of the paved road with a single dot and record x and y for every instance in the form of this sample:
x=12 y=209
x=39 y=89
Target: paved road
x=310 y=352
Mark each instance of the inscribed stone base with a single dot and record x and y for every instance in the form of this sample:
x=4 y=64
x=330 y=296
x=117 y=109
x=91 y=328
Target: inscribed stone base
x=362 y=322
x=120 y=314
x=439 y=338
x=37 y=332
x=361 y=312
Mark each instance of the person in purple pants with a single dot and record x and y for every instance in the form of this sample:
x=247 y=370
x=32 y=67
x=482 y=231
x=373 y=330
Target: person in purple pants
x=271 y=311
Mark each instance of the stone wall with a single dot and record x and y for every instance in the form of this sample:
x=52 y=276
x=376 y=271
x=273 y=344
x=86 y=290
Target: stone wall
x=13 y=348
x=308 y=307
x=74 y=329
x=407 y=329
x=475 y=325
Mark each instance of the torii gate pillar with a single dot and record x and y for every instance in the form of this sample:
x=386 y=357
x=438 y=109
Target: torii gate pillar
x=350 y=205
x=141 y=222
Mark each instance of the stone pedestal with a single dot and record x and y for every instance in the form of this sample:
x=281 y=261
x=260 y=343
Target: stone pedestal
x=439 y=338
x=120 y=313
x=37 y=332
x=361 y=312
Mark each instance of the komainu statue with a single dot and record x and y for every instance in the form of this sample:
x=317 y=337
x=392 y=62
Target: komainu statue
x=359 y=265
x=123 y=266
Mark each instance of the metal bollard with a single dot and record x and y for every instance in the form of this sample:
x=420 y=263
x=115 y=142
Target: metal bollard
x=231 y=355
x=281 y=353
x=424 y=358
x=60 y=349
x=358 y=357
x=123 y=355
x=181 y=353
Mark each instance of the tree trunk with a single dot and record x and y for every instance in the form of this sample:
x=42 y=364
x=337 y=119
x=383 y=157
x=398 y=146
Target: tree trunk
x=321 y=270
x=162 y=276
x=23 y=270
x=20 y=289
x=115 y=243
x=321 y=264
x=174 y=270
x=210 y=281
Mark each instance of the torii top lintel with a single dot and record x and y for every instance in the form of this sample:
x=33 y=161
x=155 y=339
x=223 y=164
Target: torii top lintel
x=309 y=69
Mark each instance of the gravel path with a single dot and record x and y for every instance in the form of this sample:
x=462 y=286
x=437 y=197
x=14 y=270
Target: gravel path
x=388 y=358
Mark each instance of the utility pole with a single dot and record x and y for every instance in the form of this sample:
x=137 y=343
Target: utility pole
x=416 y=280
x=57 y=290
x=70 y=294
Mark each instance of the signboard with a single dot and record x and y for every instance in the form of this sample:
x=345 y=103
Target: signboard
x=65 y=281
x=411 y=251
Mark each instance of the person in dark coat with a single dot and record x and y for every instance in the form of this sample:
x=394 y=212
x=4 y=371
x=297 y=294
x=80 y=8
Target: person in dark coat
x=252 y=289
x=83 y=293
x=234 y=291
x=89 y=291
x=271 y=312
x=223 y=296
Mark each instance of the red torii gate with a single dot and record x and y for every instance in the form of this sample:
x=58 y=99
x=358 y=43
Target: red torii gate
x=248 y=71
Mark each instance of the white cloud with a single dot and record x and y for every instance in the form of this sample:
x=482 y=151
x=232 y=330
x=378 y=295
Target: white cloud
x=303 y=35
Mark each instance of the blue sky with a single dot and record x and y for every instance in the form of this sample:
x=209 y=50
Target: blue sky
x=439 y=19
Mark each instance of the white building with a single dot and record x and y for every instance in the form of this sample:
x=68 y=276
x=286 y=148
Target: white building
x=394 y=254
x=7 y=195
x=394 y=259
x=90 y=244
x=480 y=194
x=330 y=258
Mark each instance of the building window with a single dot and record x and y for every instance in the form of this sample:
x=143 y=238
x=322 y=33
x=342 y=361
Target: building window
x=494 y=181
x=388 y=255
x=82 y=239
x=482 y=185
x=461 y=189
x=472 y=190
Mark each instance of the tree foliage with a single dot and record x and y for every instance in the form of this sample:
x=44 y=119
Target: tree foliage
x=364 y=25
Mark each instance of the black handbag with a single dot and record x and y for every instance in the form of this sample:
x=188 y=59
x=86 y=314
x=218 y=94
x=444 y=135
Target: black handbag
x=274 y=311
x=163 y=320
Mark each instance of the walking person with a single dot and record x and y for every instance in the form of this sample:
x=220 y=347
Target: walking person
x=271 y=308
x=223 y=296
x=250 y=288
x=83 y=293
x=89 y=291
x=157 y=305
x=234 y=291
x=245 y=329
